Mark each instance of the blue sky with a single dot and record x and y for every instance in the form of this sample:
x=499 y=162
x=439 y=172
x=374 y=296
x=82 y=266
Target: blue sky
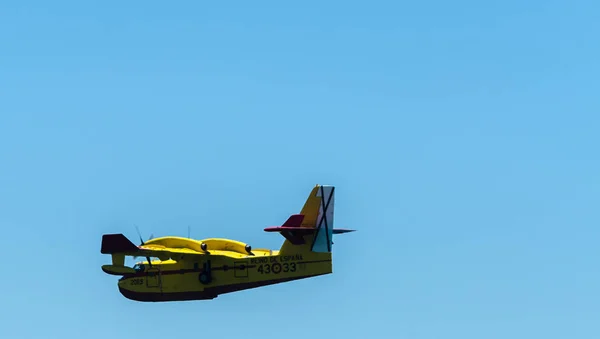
x=462 y=138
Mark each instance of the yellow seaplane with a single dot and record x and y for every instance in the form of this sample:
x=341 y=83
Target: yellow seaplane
x=188 y=269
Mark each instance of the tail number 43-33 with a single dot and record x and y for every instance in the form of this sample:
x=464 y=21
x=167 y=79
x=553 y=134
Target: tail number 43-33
x=277 y=268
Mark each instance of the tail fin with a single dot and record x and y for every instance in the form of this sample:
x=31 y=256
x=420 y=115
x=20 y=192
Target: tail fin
x=314 y=224
x=324 y=197
x=116 y=243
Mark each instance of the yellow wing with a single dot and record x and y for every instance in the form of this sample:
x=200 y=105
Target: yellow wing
x=118 y=244
x=175 y=248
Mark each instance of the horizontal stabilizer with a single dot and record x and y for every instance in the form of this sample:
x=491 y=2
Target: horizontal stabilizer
x=117 y=243
x=341 y=230
x=294 y=231
x=304 y=231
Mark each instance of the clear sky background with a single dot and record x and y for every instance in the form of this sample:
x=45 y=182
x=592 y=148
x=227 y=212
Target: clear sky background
x=462 y=137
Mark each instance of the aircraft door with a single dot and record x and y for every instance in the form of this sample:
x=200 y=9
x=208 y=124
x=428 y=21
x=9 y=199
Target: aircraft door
x=153 y=278
x=241 y=269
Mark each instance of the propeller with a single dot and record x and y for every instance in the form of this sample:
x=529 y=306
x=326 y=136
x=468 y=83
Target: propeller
x=142 y=243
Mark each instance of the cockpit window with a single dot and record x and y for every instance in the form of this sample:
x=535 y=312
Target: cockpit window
x=139 y=267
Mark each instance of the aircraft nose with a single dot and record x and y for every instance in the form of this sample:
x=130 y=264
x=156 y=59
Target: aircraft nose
x=124 y=282
x=121 y=282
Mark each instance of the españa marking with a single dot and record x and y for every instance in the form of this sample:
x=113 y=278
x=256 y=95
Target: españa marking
x=295 y=257
x=275 y=259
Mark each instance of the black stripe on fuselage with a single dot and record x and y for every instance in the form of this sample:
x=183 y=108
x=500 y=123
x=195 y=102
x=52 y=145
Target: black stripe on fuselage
x=224 y=268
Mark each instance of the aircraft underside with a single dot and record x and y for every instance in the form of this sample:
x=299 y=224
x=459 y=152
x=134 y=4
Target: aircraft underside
x=207 y=294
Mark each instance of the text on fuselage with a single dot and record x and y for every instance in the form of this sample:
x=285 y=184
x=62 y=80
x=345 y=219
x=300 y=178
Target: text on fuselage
x=280 y=258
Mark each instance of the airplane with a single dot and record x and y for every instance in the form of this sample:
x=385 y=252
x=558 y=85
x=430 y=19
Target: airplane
x=188 y=269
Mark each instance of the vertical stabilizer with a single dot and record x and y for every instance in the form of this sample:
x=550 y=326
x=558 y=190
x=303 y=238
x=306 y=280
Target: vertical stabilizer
x=312 y=229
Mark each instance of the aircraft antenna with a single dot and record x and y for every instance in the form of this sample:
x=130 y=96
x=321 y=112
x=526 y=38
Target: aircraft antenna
x=189 y=232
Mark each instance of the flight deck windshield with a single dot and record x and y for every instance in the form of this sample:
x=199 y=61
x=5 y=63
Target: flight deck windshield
x=138 y=267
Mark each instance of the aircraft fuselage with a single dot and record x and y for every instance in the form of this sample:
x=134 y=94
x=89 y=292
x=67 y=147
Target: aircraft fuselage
x=213 y=275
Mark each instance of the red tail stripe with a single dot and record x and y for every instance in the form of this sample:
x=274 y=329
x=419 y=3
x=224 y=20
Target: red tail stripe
x=295 y=220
